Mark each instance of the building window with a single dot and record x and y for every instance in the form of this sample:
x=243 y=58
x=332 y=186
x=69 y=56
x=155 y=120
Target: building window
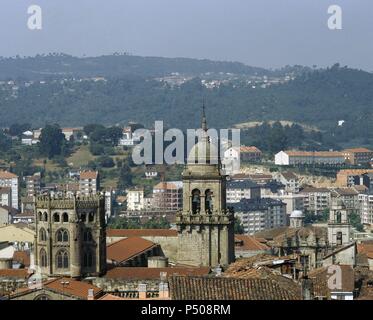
x=65 y=217
x=62 y=259
x=208 y=201
x=40 y=216
x=42 y=235
x=83 y=217
x=91 y=217
x=88 y=259
x=196 y=201
x=87 y=236
x=56 y=217
x=339 y=238
x=339 y=217
x=45 y=216
x=43 y=258
x=62 y=235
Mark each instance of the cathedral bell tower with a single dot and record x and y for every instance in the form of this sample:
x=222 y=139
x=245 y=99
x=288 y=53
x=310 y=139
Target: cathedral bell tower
x=339 y=228
x=205 y=226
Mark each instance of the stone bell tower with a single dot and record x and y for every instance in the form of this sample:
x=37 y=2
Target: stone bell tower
x=339 y=228
x=205 y=226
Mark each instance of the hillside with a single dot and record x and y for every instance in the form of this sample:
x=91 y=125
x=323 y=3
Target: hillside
x=319 y=98
x=54 y=66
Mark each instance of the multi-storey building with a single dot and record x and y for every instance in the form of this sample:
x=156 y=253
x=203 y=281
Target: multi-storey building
x=135 y=199
x=285 y=158
x=317 y=200
x=358 y=156
x=10 y=180
x=366 y=208
x=289 y=180
x=351 y=177
x=349 y=197
x=89 y=182
x=293 y=201
x=33 y=184
x=5 y=196
x=168 y=196
x=240 y=189
x=260 y=214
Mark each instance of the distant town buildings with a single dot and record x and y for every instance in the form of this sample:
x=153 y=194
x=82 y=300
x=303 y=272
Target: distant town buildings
x=358 y=156
x=33 y=184
x=260 y=214
x=286 y=158
x=89 y=182
x=135 y=199
x=10 y=180
x=168 y=196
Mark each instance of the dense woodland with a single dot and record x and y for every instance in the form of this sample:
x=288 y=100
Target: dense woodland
x=318 y=97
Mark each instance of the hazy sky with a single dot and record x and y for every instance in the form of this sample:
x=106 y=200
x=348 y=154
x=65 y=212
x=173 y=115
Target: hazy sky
x=267 y=33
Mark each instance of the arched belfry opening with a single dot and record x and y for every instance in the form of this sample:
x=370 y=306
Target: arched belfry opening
x=209 y=206
x=196 y=201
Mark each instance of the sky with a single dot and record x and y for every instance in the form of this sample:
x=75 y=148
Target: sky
x=263 y=33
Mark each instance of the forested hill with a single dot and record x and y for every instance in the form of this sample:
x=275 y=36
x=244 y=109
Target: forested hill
x=117 y=65
x=320 y=98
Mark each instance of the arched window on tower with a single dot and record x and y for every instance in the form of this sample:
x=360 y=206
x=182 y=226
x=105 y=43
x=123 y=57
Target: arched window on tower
x=40 y=215
x=62 y=259
x=88 y=259
x=196 y=201
x=43 y=258
x=62 y=235
x=42 y=235
x=65 y=217
x=56 y=217
x=208 y=202
x=339 y=238
x=91 y=217
x=87 y=235
x=339 y=217
x=45 y=216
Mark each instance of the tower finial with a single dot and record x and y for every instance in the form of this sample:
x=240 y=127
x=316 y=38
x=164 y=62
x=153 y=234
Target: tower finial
x=204 y=122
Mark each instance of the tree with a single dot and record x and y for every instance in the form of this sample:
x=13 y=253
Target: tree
x=238 y=228
x=52 y=141
x=125 y=177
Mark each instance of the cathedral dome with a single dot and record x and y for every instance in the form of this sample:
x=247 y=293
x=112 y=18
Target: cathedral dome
x=297 y=214
x=204 y=152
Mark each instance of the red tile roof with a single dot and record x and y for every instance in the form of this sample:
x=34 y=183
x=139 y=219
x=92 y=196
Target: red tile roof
x=144 y=273
x=353 y=150
x=246 y=242
x=14 y=273
x=22 y=257
x=204 y=288
x=251 y=149
x=126 y=233
x=128 y=248
x=88 y=174
x=7 y=175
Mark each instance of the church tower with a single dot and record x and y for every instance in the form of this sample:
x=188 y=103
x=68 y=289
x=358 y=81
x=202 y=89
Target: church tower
x=70 y=237
x=339 y=228
x=205 y=226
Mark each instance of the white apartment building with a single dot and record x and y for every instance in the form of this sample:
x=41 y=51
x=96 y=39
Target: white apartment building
x=366 y=208
x=294 y=202
x=260 y=214
x=10 y=180
x=286 y=158
x=242 y=189
x=89 y=182
x=135 y=199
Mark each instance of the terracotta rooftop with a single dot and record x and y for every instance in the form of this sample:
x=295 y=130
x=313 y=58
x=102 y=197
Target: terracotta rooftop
x=126 y=233
x=319 y=278
x=145 y=273
x=352 y=150
x=88 y=174
x=246 y=242
x=74 y=288
x=203 y=288
x=22 y=257
x=128 y=248
x=7 y=175
x=251 y=149
x=14 y=273
x=288 y=175
x=166 y=186
x=314 y=153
